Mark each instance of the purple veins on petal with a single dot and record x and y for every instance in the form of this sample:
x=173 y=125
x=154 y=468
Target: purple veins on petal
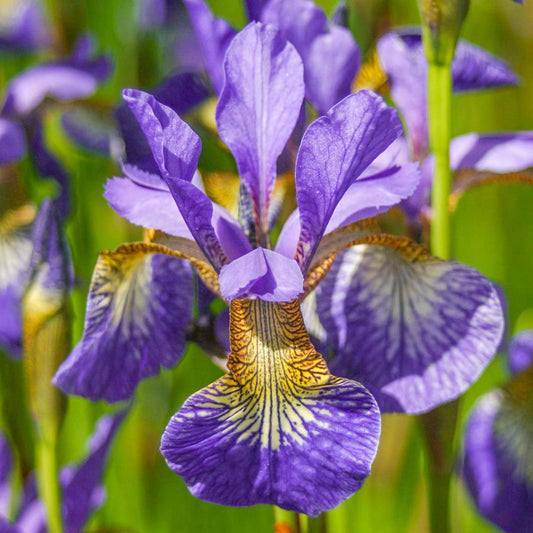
x=264 y=274
x=278 y=428
x=258 y=108
x=138 y=308
x=335 y=150
x=415 y=330
x=498 y=455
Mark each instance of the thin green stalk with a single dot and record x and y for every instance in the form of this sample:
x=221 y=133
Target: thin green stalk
x=286 y=521
x=48 y=479
x=439 y=425
x=440 y=113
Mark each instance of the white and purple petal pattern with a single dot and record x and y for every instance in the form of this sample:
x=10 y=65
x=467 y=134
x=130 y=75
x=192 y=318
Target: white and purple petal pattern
x=258 y=108
x=138 y=308
x=415 y=330
x=15 y=257
x=335 y=150
x=278 y=429
x=264 y=274
x=498 y=456
x=12 y=141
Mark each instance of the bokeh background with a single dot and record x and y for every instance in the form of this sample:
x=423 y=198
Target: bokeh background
x=492 y=231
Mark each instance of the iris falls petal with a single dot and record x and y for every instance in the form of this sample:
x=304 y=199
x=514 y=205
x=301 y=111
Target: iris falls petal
x=417 y=331
x=278 y=428
x=498 y=458
x=138 y=307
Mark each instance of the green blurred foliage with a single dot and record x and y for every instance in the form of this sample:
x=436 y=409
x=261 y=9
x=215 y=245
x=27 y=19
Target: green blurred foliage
x=493 y=228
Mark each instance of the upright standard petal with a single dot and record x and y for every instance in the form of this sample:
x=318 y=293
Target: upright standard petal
x=176 y=149
x=258 y=109
x=330 y=55
x=498 y=455
x=278 y=428
x=264 y=274
x=417 y=331
x=138 y=309
x=334 y=152
x=213 y=37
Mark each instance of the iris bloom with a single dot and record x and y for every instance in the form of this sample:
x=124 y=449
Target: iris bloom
x=278 y=427
x=21 y=132
x=498 y=463
x=81 y=485
x=401 y=55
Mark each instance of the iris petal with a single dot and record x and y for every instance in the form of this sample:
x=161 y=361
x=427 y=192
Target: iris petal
x=278 y=428
x=415 y=330
x=138 y=307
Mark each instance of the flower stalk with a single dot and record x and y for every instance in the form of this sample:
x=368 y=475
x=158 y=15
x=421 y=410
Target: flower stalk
x=442 y=21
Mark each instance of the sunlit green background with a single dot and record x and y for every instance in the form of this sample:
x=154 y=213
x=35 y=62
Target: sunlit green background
x=493 y=231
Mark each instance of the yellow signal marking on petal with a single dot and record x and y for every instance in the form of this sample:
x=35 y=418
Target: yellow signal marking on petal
x=356 y=234
x=273 y=361
x=186 y=249
x=467 y=178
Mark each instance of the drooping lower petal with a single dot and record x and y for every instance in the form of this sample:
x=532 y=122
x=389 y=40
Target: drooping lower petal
x=6 y=464
x=138 y=307
x=498 y=455
x=15 y=256
x=415 y=330
x=278 y=429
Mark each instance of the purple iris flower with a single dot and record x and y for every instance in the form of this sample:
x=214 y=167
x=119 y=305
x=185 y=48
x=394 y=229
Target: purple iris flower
x=402 y=57
x=81 y=485
x=330 y=56
x=278 y=428
x=27 y=30
x=21 y=132
x=499 y=443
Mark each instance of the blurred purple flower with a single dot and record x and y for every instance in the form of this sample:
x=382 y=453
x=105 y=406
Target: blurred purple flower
x=81 y=485
x=27 y=29
x=498 y=445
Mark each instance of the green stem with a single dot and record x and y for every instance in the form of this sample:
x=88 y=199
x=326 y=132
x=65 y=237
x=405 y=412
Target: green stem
x=48 y=480
x=439 y=425
x=286 y=521
x=440 y=117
